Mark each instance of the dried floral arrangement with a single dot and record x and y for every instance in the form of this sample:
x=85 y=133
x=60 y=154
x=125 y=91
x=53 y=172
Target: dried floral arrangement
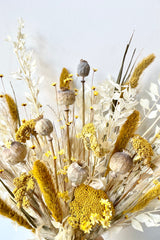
x=94 y=167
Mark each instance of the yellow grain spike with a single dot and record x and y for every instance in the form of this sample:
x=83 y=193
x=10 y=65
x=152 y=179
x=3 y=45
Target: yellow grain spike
x=133 y=81
x=12 y=107
x=7 y=211
x=64 y=76
x=44 y=180
x=127 y=131
x=153 y=193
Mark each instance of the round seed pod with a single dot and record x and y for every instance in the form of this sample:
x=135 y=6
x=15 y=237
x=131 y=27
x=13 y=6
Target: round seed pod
x=120 y=162
x=77 y=174
x=15 y=154
x=44 y=127
x=83 y=68
x=66 y=97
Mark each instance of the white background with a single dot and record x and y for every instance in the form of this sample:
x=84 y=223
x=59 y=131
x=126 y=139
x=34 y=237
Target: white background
x=64 y=31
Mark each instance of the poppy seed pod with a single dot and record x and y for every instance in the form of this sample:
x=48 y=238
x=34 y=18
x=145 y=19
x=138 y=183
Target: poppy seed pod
x=77 y=174
x=83 y=68
x=66 y=97
x=15 y=154
x=44 y=127
x=120 y=162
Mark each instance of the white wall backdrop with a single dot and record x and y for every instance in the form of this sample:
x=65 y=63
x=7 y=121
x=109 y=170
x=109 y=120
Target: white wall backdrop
x=64 y=31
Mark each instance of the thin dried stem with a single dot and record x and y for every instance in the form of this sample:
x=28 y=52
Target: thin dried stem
x=54 y=162
x=67 y=133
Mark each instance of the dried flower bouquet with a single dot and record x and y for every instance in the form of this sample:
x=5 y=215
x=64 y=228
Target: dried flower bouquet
x=90 y=168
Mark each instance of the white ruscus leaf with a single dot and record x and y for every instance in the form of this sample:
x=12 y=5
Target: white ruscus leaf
x=136 y=225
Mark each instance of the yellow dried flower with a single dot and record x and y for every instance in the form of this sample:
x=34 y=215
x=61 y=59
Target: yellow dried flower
x=95 y=69
x=12 y=107
x=91 y=108
x=1 y=75
x=76 y=116
x=1 y=96
x=63 y=77
x=44 y=180
x=63 y=171
x=87 y=209
x=54 y=84
x=127 y=131
x=1 y=170
x=24 y=104
x=7 y=211
x=95 y=93
x=61 y=152
x=90 y=140
x=93 y=87
x=133 y=81
x=25 y=131
x=24 y=185
x=143 y=148
x=48 y=154
x=144 y=200
x=64 y=196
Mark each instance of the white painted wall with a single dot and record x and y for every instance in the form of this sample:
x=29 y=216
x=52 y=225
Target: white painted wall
x=65 y=31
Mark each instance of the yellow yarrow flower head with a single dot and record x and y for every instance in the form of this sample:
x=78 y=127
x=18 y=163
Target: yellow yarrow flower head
x=87 y=210
x=25 y=131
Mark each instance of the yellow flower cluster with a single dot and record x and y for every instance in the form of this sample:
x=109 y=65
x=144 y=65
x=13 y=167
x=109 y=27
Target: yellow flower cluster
x=12 y=107
x=126 y=132
x=63 y=171
x=90 y=207
x=44 y=180
x=64 y=196
x=143 y=148
x=151 y=194
x=7 y=211
x=88 y=135
x=24 y=186
x=133 y=81
x=25 y=131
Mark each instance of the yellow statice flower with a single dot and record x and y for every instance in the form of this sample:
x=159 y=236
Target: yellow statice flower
x=63 y=77
x=24 y=186
x=86 y=226
x=143 y=148
x=87 y=210
x=25 y=131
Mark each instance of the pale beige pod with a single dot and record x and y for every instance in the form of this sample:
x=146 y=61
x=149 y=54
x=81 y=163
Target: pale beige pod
x=44 y=127
x=66 y=97
x=83 y=68
x=15 y=154
x=77 y=174
x=120 y=162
